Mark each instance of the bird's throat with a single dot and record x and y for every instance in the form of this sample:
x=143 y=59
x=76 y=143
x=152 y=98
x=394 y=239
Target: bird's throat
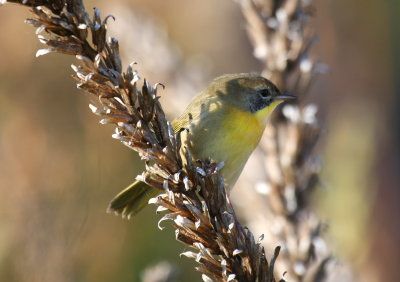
x=263 y=114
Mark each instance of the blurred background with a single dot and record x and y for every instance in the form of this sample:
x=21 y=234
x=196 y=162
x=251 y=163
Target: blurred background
x=59 y=167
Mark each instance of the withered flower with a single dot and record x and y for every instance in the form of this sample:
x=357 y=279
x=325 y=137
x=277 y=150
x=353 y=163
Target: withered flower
x=193 y=194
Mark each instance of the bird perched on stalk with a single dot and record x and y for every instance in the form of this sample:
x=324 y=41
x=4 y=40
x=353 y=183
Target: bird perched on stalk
x=225 y=122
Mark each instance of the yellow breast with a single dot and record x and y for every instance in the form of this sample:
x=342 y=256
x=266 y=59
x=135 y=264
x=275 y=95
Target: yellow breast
x=226 y=134
x=240 y=129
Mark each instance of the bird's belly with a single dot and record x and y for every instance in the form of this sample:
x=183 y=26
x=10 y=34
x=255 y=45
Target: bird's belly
x=230 y=141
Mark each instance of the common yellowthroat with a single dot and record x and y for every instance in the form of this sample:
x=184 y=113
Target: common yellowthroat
x=225 y=122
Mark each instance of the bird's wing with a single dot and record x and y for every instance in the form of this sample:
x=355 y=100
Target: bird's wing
x=182 y=121
x=194 y=111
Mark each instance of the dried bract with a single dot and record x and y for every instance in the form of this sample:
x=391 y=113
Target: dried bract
x=281 y=35
x=193 y=193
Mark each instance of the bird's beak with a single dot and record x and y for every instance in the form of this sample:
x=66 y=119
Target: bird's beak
x=285 y=97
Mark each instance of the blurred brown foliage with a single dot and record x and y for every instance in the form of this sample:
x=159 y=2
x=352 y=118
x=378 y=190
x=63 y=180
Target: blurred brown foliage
x=58 y=171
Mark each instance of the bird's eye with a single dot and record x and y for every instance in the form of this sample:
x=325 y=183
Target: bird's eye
x=264 y=93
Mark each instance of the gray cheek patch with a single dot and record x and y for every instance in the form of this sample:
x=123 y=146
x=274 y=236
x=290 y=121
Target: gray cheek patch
x=256 y=103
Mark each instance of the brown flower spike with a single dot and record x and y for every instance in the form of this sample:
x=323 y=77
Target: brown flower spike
x=194 y=194
x=281 y=34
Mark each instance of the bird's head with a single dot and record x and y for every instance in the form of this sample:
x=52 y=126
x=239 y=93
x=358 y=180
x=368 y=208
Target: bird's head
x=248 y=92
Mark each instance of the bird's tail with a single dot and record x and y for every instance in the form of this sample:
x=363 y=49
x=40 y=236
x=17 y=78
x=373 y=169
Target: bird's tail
x=132 y=199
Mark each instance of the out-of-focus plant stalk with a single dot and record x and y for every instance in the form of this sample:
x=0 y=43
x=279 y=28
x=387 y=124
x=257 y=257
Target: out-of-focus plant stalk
x=194 y=193
x=281 y=35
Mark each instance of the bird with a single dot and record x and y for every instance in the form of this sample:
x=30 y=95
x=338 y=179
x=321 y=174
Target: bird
x=224 y=122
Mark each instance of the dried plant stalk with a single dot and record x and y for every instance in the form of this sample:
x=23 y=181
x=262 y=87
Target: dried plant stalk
x=281 y=36
x=194 y=193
